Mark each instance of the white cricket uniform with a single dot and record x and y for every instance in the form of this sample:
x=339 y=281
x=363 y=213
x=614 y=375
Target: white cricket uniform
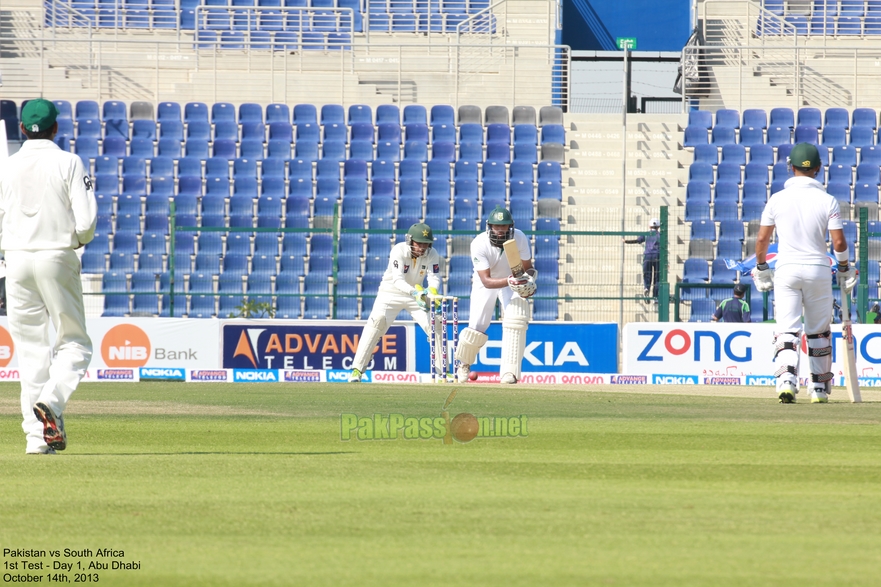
x=802 y=212
x=401 y=276
x=486 y=256
x=47 y=209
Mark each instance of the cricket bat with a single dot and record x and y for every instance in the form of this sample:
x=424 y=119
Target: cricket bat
x=513 y=255
x=850 y=361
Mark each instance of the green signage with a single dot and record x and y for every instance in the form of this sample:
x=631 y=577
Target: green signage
x=626 y=42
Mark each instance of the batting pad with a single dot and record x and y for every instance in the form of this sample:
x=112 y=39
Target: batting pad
x=514 y=327
x=820 y=360
x=786 y=358
x=373 y=331
x=470 y=343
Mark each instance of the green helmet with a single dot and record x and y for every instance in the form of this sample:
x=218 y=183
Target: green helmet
x=502 y=217
x=419 y=233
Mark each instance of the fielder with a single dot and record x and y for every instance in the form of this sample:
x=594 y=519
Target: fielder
x=47 y=211
x=410 y=264
x=493 y=280
x=801 y=213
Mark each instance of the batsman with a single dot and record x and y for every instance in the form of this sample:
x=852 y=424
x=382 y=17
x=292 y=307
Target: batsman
x=802 y=280
x=410 y=264
x=493 y=280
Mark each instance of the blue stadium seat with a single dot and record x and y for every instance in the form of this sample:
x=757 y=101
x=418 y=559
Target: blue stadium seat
x=728 y=117
x=706 y=154
x=809 y=116
x=695 y=135
x=703 y=230
x=696 y=210
x=700 y=118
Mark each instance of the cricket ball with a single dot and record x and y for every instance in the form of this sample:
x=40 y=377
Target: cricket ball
x=472 y=376
x=464 y=427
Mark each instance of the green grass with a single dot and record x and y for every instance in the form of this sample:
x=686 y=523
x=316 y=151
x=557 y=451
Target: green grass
x=251 y=485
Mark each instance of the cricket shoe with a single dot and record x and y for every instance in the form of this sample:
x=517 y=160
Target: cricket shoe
x=508 y=378
x=355 y=376
x=787 y=394
x=819 y=397
x=53 y=428
x=463 y=373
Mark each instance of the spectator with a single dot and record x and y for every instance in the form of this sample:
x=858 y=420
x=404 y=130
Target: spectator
x=733 y=309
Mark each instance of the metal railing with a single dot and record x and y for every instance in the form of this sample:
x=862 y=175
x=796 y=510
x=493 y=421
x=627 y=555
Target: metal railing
x=577 y=298
x=753 y=58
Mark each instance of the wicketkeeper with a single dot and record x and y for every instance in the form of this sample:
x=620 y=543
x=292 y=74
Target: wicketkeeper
x=801 y=213
x=410 y=264
x=493 y=281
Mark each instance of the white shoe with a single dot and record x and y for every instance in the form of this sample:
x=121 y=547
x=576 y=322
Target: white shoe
x=355 y=376
x=463 y=373
x=508 y=378
x=819 y=397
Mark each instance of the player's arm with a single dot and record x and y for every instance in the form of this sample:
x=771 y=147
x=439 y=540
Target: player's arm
x=763 y=239
x=491 y=282
x=434 y=271
x=839 y=243
x=83 y=203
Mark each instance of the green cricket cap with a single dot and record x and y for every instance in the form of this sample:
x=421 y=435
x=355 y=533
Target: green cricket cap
x=421 y=233
x=805 y=156
x=38 y=115
x=500 y=215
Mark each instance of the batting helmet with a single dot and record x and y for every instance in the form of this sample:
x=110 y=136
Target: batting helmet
x=499 y=217
x=419 y=233
x=654 y=223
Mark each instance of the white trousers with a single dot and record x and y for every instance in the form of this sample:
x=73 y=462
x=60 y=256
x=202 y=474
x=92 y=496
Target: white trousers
x=803 y=289
x=483 y=304
x=390 y=304
x=43 y=286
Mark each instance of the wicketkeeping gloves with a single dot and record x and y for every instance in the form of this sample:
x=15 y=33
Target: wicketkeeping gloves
x=847 y=278
x=418 y=294
x=763 y=277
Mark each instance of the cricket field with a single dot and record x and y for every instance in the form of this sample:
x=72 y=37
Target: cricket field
x=172 y=484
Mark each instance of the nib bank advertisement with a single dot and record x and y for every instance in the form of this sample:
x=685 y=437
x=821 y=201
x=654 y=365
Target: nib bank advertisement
x=550 y=348
x=734 y=350
x=321 y=345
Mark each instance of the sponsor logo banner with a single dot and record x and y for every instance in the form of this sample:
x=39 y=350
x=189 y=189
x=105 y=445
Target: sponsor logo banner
x=162 y=373
x=395 y=376
x=561 y=348
x=865 y=381
x=209 y=375
x=762 y=380
x=324 y=346
x=628 y=379
x=342 y=376
x=131 y=343
x=254 y=375
x=674 y=379
x=116 y=375
x=732 y=350
x=302 y=376
x=723 y=381
x=9 y=375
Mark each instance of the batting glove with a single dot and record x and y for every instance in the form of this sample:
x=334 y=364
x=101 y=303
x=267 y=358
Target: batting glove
x=763 y=277
x=847 y=279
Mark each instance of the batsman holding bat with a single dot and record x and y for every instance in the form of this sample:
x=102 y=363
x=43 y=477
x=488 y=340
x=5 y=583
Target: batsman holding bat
x=801 y=213
x=495 y=277
x=410 y=264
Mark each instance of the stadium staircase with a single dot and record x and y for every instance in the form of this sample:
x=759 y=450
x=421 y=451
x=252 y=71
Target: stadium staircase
x=656 y=173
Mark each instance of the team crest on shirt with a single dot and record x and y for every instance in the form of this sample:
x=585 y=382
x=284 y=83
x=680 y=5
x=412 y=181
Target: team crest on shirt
x=406 y=268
